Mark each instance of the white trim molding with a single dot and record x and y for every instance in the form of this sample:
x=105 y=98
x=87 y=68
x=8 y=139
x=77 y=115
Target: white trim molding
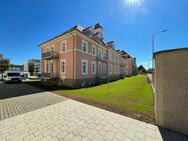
x=65 y=43
x=94 y=50
x=95 y=67
x=86 y=69
x=63 y=60
x=84 y=42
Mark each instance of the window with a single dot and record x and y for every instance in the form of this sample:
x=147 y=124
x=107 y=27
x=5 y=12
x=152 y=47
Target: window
x=84 y=67
x=114 y=58
x=104 y=70
x=118 y=59
x=99 y=52
x=99 y=67
x=110 y=55
x=84 y=46
x=114 y=69
x=94 y=50
x=104 y=52
x=110 y=69
x=47 y=49
x=93 y=67
x=63 y=66
x=52 y=48
x=63 y=46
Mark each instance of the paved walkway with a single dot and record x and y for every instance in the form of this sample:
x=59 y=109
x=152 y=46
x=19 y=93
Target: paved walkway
x=19 y=105
x=75 y=121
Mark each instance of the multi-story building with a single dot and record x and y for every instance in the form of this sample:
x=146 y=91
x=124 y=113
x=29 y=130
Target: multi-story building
x=80 y=57
x=33 y=66
x=14 y=67
x=4 y=63
x=129 y=62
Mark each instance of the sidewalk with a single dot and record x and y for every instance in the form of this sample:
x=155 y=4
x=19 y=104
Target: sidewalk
x=74 y=121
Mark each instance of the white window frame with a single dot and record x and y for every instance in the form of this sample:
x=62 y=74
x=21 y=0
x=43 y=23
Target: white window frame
x=95 y=68
x=110 y=69
x=47 y=49
x=94 y=48
x=85 y=42
x=104 y=53
x=86 y=61
x=99 y=67
x=114 y=58
x=99 y=52
x=105 y=68
x=64 y=66
x=64 y=41
x=110 y=55
x=52 y=47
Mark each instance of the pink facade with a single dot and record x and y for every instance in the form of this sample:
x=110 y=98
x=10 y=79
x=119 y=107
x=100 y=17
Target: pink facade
x=76 y=58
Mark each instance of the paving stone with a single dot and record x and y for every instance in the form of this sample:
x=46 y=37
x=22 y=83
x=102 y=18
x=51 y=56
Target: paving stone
x=70 y=120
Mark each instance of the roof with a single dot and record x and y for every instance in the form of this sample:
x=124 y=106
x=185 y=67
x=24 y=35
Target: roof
x=70 y=30
x=81 y=30
x=87 y=28
x=170 y=50
x=98 y=25
x=73 y=28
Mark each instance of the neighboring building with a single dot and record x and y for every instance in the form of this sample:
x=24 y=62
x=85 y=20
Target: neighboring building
x=32 y=66
x=79 y=57
x=129 y=63
x=14 y=67
x=4 y=63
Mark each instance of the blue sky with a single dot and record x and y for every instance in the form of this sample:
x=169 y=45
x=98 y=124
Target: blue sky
x=26 y=23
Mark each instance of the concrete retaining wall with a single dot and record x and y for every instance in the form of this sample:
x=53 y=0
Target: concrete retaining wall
x=171 y=87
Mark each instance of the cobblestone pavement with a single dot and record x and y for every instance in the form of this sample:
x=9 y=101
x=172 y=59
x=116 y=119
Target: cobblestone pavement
x=23 y=104
x=75 y=121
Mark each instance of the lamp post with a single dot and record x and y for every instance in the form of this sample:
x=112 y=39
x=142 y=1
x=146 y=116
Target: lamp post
x=153 y=45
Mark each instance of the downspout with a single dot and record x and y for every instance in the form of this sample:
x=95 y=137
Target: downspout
x=74 y=44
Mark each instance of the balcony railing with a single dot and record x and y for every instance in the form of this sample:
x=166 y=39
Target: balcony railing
x=49 y=75
x=50 y=55
x=102 y=58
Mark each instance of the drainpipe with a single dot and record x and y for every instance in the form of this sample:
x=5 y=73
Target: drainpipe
x=74 y=46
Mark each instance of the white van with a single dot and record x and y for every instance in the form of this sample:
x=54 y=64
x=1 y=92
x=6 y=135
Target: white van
x=12 y=76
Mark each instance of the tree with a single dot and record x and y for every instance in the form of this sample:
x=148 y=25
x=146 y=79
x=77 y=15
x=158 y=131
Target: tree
x=141 y=70
x=31 y=68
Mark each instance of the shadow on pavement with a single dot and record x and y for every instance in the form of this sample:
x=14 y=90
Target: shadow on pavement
x=17 y=89
x=169 y=135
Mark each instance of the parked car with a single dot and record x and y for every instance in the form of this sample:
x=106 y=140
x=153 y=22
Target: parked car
x=1 y=77
x=11 y=76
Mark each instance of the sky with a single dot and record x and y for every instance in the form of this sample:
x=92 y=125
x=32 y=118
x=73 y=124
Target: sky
x=24 y=24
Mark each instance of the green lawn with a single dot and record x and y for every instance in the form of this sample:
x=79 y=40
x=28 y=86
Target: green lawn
x=131 y=94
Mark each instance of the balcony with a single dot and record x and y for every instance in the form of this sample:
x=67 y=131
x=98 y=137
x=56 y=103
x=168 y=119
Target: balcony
x=49 y=75
x=50 y=55
x=102 y=58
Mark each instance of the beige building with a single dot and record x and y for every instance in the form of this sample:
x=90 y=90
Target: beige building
x=80 y=57
x=171 y=89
